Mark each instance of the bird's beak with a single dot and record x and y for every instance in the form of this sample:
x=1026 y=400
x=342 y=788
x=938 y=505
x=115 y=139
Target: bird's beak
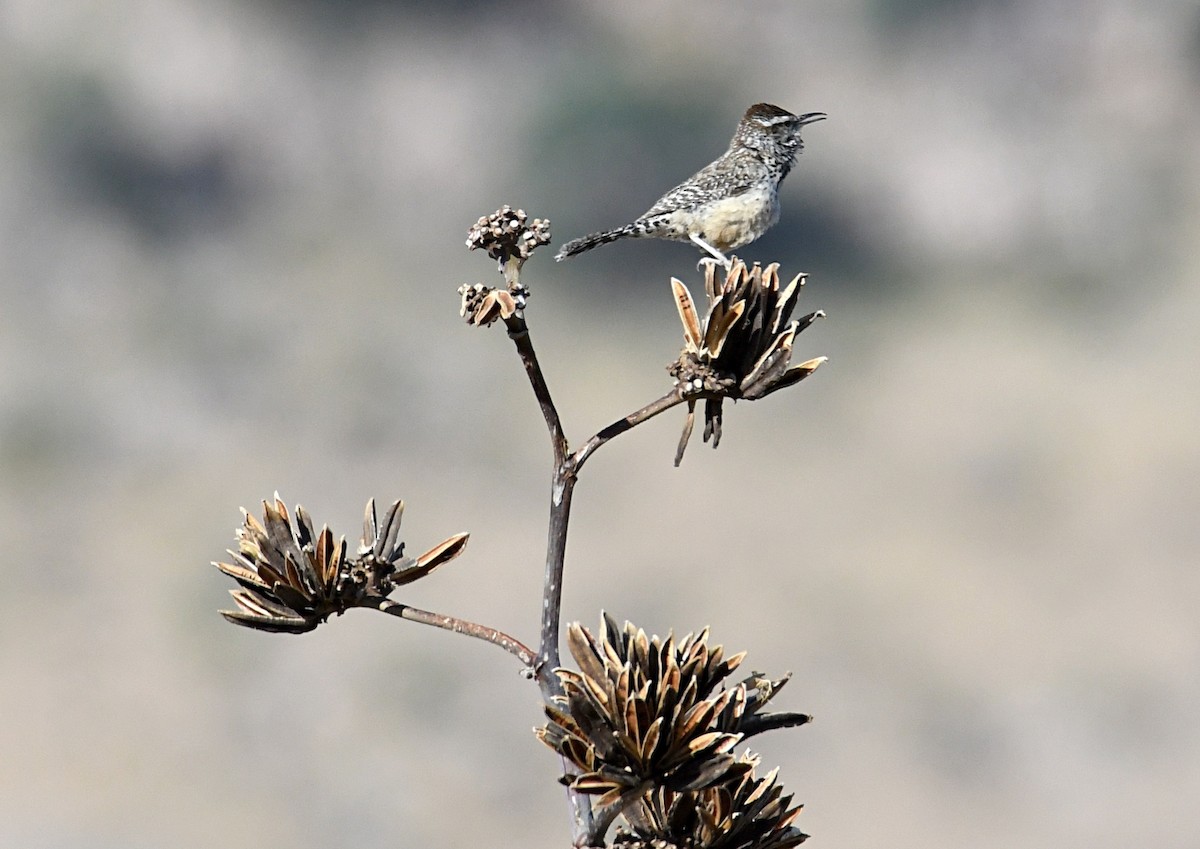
x=810 y=118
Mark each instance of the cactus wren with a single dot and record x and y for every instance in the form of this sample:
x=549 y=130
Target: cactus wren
x=729 y=202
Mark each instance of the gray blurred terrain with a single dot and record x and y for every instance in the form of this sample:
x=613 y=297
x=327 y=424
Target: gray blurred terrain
x=230 y=238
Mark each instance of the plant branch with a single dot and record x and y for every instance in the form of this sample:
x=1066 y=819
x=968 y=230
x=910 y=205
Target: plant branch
x=666 y=402
x=518 y=331
x=459 y=626
x=561 y=491
x=562 y=487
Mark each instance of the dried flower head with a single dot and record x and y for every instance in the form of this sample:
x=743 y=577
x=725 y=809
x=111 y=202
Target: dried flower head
x=509 y=237
x=743 y=347
x=293 y=579
x=643 y=713
x=639 y=714
x=750 y=814
x=481 y=305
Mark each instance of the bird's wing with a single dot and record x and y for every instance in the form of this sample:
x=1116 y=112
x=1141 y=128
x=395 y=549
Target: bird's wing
x=727 y=177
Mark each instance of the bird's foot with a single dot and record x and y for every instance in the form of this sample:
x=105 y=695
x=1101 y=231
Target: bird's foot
x=709 y=249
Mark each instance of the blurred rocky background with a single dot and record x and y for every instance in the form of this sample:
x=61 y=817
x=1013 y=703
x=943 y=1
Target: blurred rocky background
x=230 y=239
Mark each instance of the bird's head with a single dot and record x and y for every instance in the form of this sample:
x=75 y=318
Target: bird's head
x=770 y=130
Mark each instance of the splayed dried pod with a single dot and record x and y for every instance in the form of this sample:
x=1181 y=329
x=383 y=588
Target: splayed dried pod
x=742 y=348
x=293 y=579
x=643 y=715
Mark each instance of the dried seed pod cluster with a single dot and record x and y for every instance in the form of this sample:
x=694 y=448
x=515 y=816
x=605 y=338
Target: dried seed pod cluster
x=481 y=305
x=507 y=234
x=293 y=579
x=742 y=349
x=509 y=238
x=650 y=733
x=752 y=813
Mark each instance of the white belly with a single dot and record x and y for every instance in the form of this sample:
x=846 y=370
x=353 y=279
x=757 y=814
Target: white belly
x=732 y=222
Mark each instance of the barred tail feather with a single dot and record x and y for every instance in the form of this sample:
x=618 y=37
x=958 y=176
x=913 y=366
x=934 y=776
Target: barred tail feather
x=593 y=240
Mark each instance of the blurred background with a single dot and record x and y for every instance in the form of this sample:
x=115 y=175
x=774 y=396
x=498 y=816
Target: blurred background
x=230 y=238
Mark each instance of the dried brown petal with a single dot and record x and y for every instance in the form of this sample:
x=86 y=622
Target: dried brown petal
x=687 y=314
x=443 y=552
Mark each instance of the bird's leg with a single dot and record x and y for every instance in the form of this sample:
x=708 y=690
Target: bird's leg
x=707 y=248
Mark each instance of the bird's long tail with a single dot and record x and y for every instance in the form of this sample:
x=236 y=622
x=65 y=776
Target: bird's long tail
x=593 y=240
